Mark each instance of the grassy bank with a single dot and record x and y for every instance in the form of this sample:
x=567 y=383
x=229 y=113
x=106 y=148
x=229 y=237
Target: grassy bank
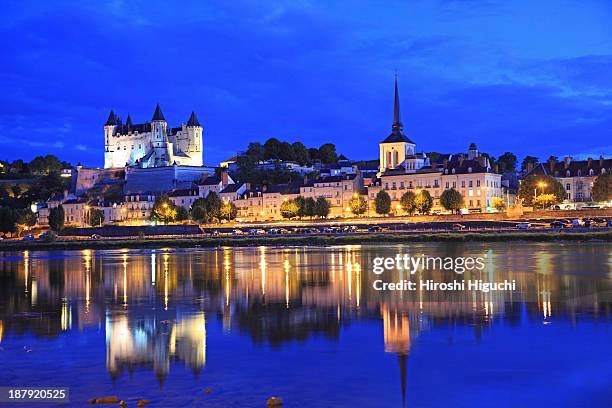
x=320 y=240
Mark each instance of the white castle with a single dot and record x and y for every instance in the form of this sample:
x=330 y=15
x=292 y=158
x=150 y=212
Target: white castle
x=151 y=144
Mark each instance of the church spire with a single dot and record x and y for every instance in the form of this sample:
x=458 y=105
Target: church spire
x=158 y=115
x=397 y=122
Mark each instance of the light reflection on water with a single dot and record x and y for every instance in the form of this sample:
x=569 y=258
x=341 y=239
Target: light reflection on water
x=158 y=310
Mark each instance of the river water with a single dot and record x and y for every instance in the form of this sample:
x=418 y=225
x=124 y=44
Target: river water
x=305 y=324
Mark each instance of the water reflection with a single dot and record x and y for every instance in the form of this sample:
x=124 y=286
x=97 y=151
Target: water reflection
x=154 y=305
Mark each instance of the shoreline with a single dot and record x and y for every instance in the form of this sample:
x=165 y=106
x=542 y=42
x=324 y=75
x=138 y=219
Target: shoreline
x=315 y=239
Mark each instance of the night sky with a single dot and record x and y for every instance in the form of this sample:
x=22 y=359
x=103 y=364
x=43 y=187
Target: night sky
x=529 y=77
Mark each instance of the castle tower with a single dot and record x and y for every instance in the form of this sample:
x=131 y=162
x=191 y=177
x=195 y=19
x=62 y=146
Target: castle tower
x=396 y=147
x=109 y=130
x=161 y=146
x=194 y=131
x=473 y=152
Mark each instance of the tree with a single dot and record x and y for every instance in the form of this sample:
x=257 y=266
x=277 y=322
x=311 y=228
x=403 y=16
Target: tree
x=256 y=151
x=56 y=218
x=529 y=160
x=8 y=219
x=328 y=153
x=358 y=204
x=95 y=217
x=423 y=202
x=228 y=211
x=407 y=202
x=182 y=214
x=213 y=206
x=498 y=203
x=602 y=187
x=286 y=152
x=452 y=200
x=301 y=205
x=289 y=208
x=301 y=153
x=322 y=207
x=545 y=200
x=382 y=203
x=309 y=207
x=25 y=220
x=507 y=161
x=163 y=210
x=272 y=149
x=198 y=211
x=45 y=165
x=534 y=184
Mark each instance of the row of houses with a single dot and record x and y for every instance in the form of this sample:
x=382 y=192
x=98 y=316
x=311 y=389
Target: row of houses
x=471 y=174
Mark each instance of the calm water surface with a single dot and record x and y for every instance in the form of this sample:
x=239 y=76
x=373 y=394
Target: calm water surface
x=305 y=324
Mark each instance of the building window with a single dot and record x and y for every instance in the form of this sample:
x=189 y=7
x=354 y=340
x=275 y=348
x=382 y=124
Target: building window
x=568 y=186
x=470 y=183
x=477 y=183
x=463 y=184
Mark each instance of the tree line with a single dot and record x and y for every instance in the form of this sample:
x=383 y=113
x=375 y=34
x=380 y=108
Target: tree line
x=203 y=210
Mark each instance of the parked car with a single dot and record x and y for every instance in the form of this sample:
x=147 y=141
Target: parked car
x=523 y=225
x=29 y=237
x=238 y=232
x=458 y=227
x=283 y=231
x=577 y=222
x=95 y=236
x=374 y=228
x=559 y=224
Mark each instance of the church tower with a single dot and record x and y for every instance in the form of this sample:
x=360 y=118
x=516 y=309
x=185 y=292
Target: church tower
x=396 y=147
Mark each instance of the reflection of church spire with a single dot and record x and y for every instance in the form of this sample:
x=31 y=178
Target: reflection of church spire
x=403 y=365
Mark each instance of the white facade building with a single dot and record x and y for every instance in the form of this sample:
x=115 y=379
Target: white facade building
x=151 y=144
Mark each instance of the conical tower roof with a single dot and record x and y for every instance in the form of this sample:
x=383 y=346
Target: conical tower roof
x=112 y=119
x=193 y=120
x=158 y=115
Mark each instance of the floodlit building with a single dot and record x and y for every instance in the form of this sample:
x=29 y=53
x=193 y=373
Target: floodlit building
x=151 y=144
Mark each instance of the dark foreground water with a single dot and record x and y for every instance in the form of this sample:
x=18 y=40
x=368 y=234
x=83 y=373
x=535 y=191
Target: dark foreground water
x=305 y=324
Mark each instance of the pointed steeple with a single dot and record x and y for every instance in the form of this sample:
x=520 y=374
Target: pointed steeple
x=112 y=119
x=193 y=120
x=397 y=130
x=158 y=115
x=128 y=121
x=397 y=122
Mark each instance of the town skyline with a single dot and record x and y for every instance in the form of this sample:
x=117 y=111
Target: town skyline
x=258 y=71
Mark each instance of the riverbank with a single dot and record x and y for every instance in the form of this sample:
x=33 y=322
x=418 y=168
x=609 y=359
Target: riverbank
x=314 y=239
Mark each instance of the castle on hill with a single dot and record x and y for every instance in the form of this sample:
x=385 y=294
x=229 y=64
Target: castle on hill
x=151 y=144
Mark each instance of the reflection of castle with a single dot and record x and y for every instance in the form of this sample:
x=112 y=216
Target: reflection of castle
x=153 y=343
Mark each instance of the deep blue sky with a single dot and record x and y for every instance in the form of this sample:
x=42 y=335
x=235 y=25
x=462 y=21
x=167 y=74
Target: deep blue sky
x=529 y=77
